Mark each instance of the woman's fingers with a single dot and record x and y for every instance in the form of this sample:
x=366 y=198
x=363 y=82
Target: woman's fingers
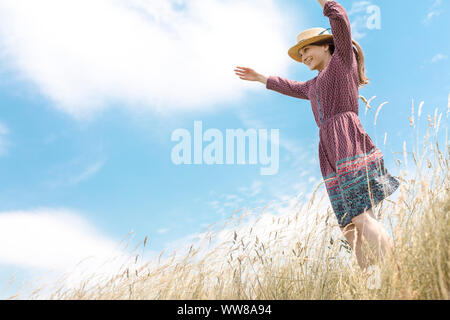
x=243 y=72
x=242 y=69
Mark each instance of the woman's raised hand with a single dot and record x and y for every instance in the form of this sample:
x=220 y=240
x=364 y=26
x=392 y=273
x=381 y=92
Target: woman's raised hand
x=322 y=2
x=249 y=74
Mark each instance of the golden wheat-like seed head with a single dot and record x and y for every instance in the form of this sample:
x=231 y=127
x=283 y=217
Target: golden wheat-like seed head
x=363 y=99
x=378 y=111
x=420 y=109
x=438 y=123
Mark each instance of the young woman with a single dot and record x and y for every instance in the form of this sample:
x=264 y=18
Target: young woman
x=351 y=165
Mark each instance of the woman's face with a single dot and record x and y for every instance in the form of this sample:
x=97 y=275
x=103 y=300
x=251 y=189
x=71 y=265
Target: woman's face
x=315 y=56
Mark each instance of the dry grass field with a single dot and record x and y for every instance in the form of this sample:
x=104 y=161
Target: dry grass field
x=300 y=253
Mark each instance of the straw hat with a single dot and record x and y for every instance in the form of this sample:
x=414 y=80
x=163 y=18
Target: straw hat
x=308 y=37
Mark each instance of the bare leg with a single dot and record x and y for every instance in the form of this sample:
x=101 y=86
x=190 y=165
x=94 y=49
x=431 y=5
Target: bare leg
x=355 y=240
x=373 y=239
x=368 y=239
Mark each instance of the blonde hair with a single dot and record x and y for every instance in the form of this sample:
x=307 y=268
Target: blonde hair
x=363 y=80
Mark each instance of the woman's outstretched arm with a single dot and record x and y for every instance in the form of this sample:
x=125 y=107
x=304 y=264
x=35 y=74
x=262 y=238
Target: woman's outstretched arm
x=287 y=87
x=340 y=28
x=250 y=75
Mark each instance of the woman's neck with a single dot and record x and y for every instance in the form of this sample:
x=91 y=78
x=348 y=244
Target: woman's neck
x=324 y=64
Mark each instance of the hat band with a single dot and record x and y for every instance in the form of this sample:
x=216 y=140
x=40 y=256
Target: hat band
x=322 y=32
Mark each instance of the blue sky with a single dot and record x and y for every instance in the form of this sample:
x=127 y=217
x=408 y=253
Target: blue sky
x=91 y=92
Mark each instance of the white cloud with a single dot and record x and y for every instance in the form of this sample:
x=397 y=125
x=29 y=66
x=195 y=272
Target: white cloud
x=435 y=59
x=51 y=239
x=253 y=190
x=438 y=57
x=88 y=172
x=434 y=11
x=3 y=142
x=74 y=171
x=60 y=246
x=162 y=55
x=225 y=204
x=163 y=230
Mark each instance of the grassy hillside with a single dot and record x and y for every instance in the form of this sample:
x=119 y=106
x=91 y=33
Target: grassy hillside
x=300 y=253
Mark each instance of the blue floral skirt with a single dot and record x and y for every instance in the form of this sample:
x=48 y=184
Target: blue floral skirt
x=360 y=183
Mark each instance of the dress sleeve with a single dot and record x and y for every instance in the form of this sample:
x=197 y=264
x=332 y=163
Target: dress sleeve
x=288 y=87
x=341 y=30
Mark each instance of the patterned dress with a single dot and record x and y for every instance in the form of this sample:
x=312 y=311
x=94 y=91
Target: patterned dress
x=351 y=165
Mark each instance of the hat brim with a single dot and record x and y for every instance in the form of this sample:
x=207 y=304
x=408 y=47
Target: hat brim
x=293 y=52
